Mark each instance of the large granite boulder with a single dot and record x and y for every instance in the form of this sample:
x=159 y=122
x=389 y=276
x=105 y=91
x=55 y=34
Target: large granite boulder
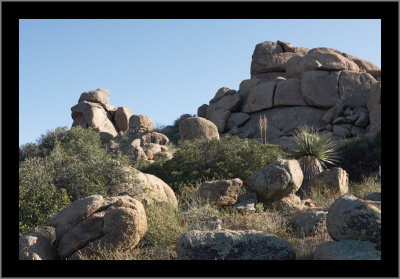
x=353 y=218
x=154 y=137
x=197 y=127
x=348 y=250
x=288 y=93
x=276 y=181
x=144 y=187
x=93 y=222
x=354 y=88
x=309 y=223
x=100 y=96
x=233 y=245
x=89 y=114
x=260 y=97
x=121 y=118
x=375 y=115
x=320 y=88
x=220 y=192
x=374 y=95
x=140 y=124
x=334 y=180
x=365 y=65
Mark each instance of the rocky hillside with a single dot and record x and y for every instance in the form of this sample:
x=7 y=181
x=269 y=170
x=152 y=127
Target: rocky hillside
x=334 y=92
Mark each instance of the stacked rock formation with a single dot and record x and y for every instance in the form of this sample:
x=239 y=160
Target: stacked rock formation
x=94 y=110
x=333 y=92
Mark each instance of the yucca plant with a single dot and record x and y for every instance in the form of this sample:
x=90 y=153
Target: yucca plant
x=314 y=152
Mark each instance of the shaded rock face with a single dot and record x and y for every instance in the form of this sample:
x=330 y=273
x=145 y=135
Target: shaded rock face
x=121 y=118
x=353 y=218
x=93 y=222
x=220 y=192
x=348 y=250
x=196 y=127
x=36 y=246
x=335 y=180
x=246 y=202
x=233 y=245
x=276 y=181
x=295 y=86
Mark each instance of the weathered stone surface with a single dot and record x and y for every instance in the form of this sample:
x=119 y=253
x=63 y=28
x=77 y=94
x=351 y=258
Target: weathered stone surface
x=276 y=181
x=287 y=47
x=335 y=180
x=260 y=97
x=351 y=119
x=220 y=192
x=233 y=245
x=310 y=223
x=154 y=137
x=36 y=246
x=347 y=250
x=301 y=50
x=88 y=114
x=333 y=112
x=152 y=147
x=363 y=117
x=218 y=117
x=140 y=123
x=137 y=151
x=339 y=120
x=202 y=110
x=374 y=95
x=247 y=84
x=230 y=101
x=368 y=66
x=319 y=59
x=146 y=188
x=375 y=196
x=375 y=119
x=121 y=118
x=271 y=63
x=342 y=130
x=286 y=143
x=272 y=76
x=124 y=223
x=348 y=112
x=73 y=214
x=288 y=93
x=236 y=119
x=289 y=203
x=196 y=128
x=287 y=119
x=320 y=88
x=246 y=202
x=220 y=93
x=354 y=88
x=353 y=218
x=99 y=95
x=261 y=52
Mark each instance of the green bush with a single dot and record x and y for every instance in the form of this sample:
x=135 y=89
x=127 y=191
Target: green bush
x=226 y=158
x=361 y=156
x=75 y=167
x=39 y=198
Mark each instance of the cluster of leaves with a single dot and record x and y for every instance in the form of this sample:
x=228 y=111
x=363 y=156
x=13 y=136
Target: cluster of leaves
x=361 y=156
x=226 y=158
x=69 y=165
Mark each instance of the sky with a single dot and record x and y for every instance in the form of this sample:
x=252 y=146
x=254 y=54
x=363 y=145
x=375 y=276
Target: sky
x=160 y=68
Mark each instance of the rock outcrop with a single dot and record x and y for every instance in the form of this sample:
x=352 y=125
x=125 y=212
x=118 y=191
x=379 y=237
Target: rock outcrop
x=94 y=222
x=220 y=192
x=196 y=128
x=348 y=250
x=233 y=245
x=294 y=86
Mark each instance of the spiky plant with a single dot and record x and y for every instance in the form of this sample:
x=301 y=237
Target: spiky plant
x=314 y=152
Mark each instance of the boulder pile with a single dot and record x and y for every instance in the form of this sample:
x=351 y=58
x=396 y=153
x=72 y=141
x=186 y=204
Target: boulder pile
x=94 y=110
x=323 y=88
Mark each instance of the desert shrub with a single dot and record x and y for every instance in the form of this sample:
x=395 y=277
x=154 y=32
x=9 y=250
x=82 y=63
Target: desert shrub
x=77 y=166
x=29 y=150
x=226 y=158
x=39 y=198
x=361 y=156
x=314 y=152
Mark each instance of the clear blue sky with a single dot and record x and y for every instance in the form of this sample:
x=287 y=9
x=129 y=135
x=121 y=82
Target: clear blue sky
x=160 y=68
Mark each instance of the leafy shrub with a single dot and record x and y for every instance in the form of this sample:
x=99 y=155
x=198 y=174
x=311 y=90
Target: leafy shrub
x=77 y=166
x=361 y=156
x=226 y=158
x=367 y=186
x=39 y=198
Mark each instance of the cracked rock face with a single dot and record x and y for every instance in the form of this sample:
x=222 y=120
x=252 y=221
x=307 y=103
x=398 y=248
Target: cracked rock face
x=93 y=222
x=353 y=218
x=233 y=245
